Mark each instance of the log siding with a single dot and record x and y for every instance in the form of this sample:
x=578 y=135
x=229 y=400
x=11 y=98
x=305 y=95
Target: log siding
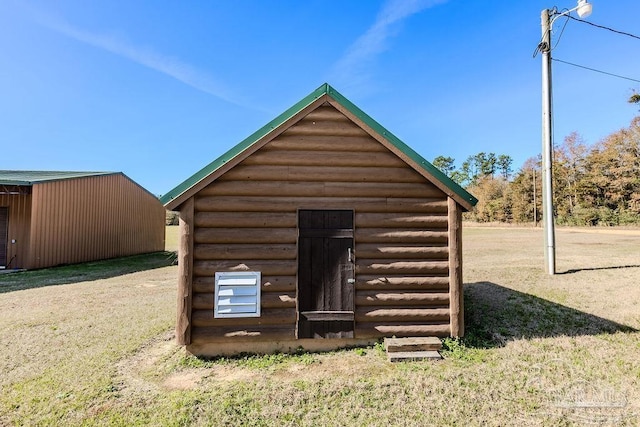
x=246 y=220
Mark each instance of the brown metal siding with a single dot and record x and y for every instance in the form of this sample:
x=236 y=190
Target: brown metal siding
x=4 y=232
x=19 y=222
x=246 y=220
x=78 y=220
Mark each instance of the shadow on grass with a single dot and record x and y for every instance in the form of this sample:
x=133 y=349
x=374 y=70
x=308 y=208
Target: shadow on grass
x=618 y=267
x=84 y=272
x=495 y=314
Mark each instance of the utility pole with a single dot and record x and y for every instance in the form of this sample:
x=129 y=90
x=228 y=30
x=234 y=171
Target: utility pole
x=548 y=17
x=535 y=201
x=547 y=149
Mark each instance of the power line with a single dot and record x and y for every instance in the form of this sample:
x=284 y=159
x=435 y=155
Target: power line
x=604 y=28
x=555 y=11
x=594 y=70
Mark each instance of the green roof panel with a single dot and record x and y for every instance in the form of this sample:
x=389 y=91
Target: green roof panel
x=14 y=177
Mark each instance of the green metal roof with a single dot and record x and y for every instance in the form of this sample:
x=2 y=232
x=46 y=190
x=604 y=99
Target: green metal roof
x=325 y=89
x=33 y=177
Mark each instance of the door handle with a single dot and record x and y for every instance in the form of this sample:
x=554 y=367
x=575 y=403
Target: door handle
x=350 y=255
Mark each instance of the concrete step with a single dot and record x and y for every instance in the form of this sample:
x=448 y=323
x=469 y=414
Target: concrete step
x=412 y=344
x=408 y=356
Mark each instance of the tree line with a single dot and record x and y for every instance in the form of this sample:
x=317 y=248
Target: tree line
x=595 y=184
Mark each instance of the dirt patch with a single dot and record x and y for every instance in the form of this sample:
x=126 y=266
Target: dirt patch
x=232 y=373
x=156 y=367
x=183 y=380
x=342 y=364
x=135 y=374
x=199 y=378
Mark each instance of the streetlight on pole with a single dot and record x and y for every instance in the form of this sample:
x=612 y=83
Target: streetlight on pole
x=548 y=17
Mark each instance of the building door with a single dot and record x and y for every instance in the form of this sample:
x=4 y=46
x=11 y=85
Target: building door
x=4 y=235
x=325 y=274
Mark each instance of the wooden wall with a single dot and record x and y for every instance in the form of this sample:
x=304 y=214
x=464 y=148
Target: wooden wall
x=246 y=220
x=19 y=223
x=91 y=218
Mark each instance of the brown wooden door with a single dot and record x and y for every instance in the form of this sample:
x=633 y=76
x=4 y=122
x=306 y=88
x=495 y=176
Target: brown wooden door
x=4 y=231
x=325 y=274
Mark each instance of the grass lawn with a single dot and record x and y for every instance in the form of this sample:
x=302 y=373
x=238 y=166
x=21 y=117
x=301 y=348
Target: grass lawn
x=92 y=344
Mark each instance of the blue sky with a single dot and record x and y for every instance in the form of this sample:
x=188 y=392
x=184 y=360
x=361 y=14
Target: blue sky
x=158 y=89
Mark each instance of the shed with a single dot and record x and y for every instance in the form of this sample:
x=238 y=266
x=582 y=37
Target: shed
x=51 y=218
x=321 y=230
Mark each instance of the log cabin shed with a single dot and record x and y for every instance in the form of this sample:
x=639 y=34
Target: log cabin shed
x=49 y=218
x=320 y=230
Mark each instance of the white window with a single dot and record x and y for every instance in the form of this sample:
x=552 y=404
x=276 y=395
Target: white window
x=237 y=294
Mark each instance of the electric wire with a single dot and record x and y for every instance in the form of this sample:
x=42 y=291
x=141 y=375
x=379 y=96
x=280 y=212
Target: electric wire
x=541 y=46
x=596 y=70
x=605 y=28
x=554 y=11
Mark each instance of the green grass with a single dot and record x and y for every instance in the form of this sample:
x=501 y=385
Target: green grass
x=251 y=361
x=84 y=272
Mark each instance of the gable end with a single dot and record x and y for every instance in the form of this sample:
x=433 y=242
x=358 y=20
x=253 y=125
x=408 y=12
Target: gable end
x=281 y=124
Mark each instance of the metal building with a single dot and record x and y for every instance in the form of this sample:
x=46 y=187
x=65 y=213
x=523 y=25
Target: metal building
x=52 y=218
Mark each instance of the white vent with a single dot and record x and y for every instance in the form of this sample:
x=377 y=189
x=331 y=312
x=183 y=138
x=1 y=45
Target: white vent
x=237 y=294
